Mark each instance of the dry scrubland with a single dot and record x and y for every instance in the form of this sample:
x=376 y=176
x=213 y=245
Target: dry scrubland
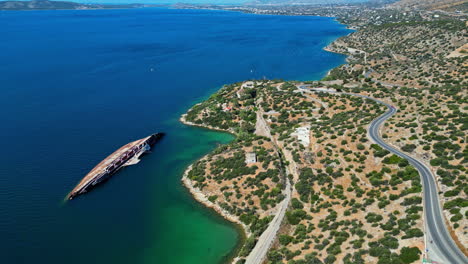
x=422 y=70
x=413 y=54
x=352 y=201
x=430 y=4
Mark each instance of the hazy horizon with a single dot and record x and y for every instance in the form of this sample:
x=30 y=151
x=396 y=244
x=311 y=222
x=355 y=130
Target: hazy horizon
x=206 y=1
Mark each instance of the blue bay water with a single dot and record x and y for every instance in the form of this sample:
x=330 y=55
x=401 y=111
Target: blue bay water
x=76 y=85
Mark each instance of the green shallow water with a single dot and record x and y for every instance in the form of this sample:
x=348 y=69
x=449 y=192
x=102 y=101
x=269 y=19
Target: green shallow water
x=197 y=234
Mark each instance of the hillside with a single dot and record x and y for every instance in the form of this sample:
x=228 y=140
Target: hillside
x=351 y=201
x=432 y=4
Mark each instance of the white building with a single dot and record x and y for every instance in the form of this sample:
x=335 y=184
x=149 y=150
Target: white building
x=248 y=84
x=250 y=157
x=303 y=135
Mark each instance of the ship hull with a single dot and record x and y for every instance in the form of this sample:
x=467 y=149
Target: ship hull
x=127 y=155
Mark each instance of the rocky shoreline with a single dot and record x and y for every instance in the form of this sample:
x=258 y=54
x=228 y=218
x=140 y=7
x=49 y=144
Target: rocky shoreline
x=199 y=195
x=188 y=123
x=203 y=199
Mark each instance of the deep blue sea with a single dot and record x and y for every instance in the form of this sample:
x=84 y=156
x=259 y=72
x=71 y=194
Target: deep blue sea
x=76 y=85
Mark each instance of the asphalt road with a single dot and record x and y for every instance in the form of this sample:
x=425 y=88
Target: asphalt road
x=439 y=243
x=443 y=247
x=259 y=252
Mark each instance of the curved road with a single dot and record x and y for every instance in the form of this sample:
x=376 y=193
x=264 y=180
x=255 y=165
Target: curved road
x=442 y=247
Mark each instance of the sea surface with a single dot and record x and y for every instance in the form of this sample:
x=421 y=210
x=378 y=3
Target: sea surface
x=76 y=85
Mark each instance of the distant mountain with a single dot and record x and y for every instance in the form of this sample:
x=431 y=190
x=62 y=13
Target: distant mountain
x=51 y=5
x=42 y=4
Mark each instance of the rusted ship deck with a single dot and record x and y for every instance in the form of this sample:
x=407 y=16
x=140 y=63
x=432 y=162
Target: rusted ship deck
x=127 y=155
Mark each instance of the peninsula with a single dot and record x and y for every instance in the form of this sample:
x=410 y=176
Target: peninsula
x=367 y=165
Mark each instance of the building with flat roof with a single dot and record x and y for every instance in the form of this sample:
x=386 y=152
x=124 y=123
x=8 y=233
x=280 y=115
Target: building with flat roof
x=250 y=157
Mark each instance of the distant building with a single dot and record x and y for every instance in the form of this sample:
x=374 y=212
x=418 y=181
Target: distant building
x=226 y=107
x=355 y=51
x=303 y=135
x=248 y=84
x=245 y=85
x=250 y=157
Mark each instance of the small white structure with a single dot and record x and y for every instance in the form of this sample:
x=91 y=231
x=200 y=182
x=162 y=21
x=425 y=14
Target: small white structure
x=250 y=157
x=248 y=84
x=303 y=135
x=354 y=51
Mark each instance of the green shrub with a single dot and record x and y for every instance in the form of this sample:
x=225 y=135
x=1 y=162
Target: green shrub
x=393 y=159
x=408 y=147
x=379 y=251
x=409 y=255
x=296 y=204
x=285 y=239
x=248 y=246
x=212 y=198
x=413 y=232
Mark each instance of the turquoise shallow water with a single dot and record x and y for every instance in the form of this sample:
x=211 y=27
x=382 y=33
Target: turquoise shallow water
x=76 y=85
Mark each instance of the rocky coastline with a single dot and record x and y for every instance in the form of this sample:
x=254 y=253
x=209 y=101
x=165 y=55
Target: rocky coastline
x=199 y=195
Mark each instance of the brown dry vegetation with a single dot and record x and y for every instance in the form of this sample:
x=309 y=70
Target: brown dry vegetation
x=352 y=201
